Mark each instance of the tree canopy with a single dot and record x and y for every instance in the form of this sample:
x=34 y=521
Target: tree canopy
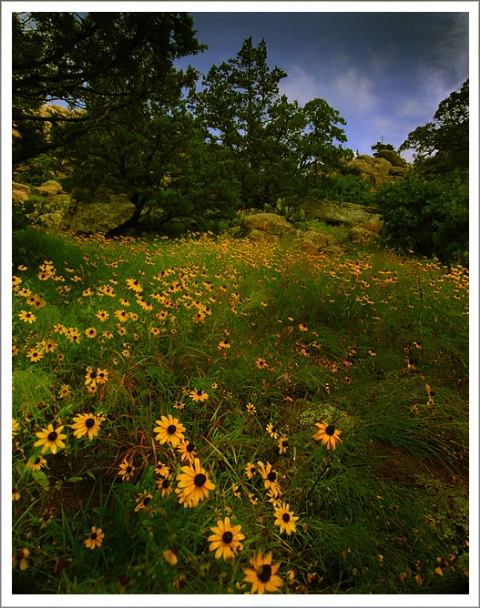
x=443 y=145
x=97 y=63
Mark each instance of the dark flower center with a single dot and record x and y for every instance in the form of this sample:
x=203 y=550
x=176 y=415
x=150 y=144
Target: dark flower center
x=286 y=517
x=190 y=447
x=146 y=500
x=199 y=480
x=38 y=460
x=330 y=430
x=93 y=536
x=272 y=476
x=264 y=573
x=285 y=444
x=227 y=537
x=128 y=470
x=19 y=555
x=52 y=436
x=172 y=429
x=90 y=422
x=166 y=483
x=93 y=375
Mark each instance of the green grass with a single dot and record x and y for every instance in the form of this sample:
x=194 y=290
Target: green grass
x=356 y=340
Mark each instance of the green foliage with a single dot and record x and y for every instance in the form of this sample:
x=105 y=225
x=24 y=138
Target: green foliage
x=277 y=148
x=351 y=189
x=20 y=213
x=98 y=63
x=430 y=218
x=381 y=146
x=290 y=213
x=442 y=146
x=372 y=344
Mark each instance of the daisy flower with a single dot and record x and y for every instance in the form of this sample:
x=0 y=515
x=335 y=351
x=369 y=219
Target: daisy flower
x=95 y=538
x=27 y=316
x=269 y=476
x=85 y=424
x=20 y=559
x=198 y=395
x=250 y=470
x=126 y=470
x=187 y=451
x=283 y=444
x=169 y=430
x=225 y=540
x=36 y=463
x=327 y=434
x=193 y=485
x=272 y=430
x=285 y=519
x=134 y=285
x=144 y=500
x=51 y=439
x=264 y=576
x=35 y=354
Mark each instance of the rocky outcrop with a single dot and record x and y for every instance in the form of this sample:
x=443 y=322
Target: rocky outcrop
x=49 y=202
x=384 y=168
x=344 y=213
x=366 y=231
x=106 y=211
x=266 y=226
x=314 y=240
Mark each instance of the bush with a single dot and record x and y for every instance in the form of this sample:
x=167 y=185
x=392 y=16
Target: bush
x=351 y=189
x=430 y=218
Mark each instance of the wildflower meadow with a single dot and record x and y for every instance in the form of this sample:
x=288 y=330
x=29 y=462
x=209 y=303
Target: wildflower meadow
x=204 y=415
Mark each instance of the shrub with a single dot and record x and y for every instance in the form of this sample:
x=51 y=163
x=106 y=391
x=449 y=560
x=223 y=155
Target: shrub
x=427 y=217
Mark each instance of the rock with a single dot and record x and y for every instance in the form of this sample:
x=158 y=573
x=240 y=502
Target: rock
x=50 y=188
x=333 y=250
x=106 y=212
x=269 y=223
x=314 y=240
x=52 y=220
x=373 y=225
x=399 y=171
x=357 y=233
x=393 y=158
x=259 y=236
x=344 y=213
x=20 y=193
x=384 y=168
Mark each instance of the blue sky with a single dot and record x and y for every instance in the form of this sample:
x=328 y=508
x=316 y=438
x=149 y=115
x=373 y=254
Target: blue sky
x=385 y=72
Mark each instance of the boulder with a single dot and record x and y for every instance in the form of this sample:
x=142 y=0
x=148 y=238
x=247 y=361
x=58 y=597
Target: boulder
x=357 y=233
x=20 y=193
x=393 y=158
x=259 y=236
x=50 y=205
x=384 y=168
x=344 y=213
x=49 y=188
x=333 y=250
x=314 y=240
x=374 y=224
x=269 y=223
x=106 y=212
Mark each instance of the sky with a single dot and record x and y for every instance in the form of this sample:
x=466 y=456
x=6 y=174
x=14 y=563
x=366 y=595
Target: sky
x=384 y=72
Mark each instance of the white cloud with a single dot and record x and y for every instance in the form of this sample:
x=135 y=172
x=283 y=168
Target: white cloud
x=350 y=90
x=355 y=91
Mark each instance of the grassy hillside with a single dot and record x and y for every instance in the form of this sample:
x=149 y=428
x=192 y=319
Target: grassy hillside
x=319 y=403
